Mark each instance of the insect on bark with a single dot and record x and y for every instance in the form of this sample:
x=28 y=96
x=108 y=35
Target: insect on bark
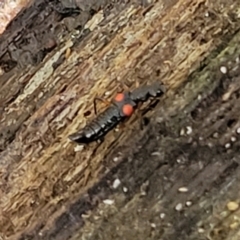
x=121 y=107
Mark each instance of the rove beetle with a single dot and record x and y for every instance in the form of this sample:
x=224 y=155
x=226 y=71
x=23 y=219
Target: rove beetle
x=121 y=107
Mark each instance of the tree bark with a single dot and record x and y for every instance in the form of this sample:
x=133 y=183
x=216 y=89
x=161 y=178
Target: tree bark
x=178 y=178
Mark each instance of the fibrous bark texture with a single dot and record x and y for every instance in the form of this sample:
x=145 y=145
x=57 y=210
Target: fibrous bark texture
x=177 y=178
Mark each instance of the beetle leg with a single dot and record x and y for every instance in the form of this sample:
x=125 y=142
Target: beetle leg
x=152 y=103
x=144 y=120
x=122 y=124
x=106 y=102
x=99 y=143
x=140 y=115
x=137 y=84
x=122 y=87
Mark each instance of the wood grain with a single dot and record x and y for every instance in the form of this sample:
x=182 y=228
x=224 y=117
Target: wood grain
x=51 y=190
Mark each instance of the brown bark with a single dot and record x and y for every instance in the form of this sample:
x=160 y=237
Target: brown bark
x=50 y=74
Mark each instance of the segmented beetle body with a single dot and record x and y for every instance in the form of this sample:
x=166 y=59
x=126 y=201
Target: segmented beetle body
x=106 y=121
x=123 y=106
x=143 y=93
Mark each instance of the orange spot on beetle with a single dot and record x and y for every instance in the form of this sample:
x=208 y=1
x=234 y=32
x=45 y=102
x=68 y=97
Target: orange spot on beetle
x=119 y=97
x=127 y=110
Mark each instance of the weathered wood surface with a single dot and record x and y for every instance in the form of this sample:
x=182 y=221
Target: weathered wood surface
x=50 y=75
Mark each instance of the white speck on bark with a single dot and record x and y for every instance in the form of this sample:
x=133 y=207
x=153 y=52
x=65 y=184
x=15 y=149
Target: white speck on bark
x=116 y=183
x=108 y=201
x=223 y=69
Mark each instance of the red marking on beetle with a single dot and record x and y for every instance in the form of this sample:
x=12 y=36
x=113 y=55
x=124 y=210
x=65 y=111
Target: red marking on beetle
x=127 y=110
x=119 y=97
x=123 y=106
